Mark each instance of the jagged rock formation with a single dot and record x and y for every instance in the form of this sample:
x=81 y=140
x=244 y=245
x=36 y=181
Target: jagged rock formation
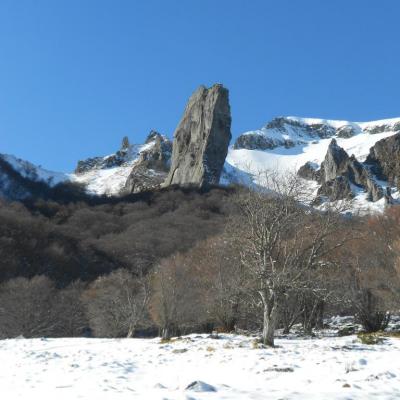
x=384 y=158
x=335 y=162
x=283 y=131
x=315 y=129
x=133 y=168
x=201 y=139
x=337 y=188
x=114 y=160
x=346 y=131
x=338 y=171
x=309 y=171
x=258 y=142
x=383 y=127
x=152 y=165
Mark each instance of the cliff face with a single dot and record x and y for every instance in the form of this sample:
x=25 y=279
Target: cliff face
x=201 y=139
x=384 y=158
x=152 y=165
x=338 y=171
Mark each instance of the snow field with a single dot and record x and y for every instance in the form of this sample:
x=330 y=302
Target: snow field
x=232 y=367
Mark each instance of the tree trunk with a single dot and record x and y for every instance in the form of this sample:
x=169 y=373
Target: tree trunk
x=319 y=324
x=269 y=323
x=131 y=331
x=166 y=333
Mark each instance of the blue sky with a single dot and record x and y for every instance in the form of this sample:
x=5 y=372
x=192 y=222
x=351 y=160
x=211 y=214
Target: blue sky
x=78 y=75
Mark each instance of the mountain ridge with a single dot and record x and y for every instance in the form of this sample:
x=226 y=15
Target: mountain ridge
x=288 y=143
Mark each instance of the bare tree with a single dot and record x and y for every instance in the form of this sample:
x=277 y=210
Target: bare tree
x=117 y=303
x=178 y=302
x=284 y=244
x=370 y=280
x=71 y=311
x=221 y=279
x=27 y=308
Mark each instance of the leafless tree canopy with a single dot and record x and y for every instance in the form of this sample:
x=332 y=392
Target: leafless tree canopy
x=184 y=261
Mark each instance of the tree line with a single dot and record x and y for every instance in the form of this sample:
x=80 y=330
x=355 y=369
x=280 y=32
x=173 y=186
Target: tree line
x=223 y=260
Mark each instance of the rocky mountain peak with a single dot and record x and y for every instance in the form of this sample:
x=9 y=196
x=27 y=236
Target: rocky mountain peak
x=201 y=139
x=335 y=162
x=125 y=143
x=154 y=136
x=339 y=171
x=384 y=159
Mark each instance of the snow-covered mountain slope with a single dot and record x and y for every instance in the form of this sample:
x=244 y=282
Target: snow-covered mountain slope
x=108 y=176
x=17 y=177
x=369 y=177
x=34 y=172
x=133 y=168
x=111 y=175
x=288 y=143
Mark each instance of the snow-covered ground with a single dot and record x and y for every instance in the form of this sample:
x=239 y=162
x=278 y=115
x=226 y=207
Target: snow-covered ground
x=229 y=368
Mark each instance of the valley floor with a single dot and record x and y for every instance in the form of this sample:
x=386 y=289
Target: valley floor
x=230 y=367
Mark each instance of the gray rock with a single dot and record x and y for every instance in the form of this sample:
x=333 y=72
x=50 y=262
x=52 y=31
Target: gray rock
x=201 y=139
x=321 y=130
x=337 y=188
x=360 y=176
x=346 y=131
x=88 y=164
x=200 y=386
x=388 y=196
x=315 y=130
x=253 y=141
x=384 y=159
x=281 y=122
x=337 y=164
x=152 y=167
x=285 y=125
x=114 y=160
x=125 y=143
x=382 y=128
x=309 y=171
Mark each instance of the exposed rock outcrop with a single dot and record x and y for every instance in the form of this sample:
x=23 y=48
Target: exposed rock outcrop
x=316 y=130
x=337 y=164
x=360 y=176
x=289 y=131
x=201 y=139
x=384 y=159
x=337 y=188
x=309 y=171
x=133 y=168
x=114 y=160
x=152 y=165
x=254 y=141
x=346 y=131
x=374 y=129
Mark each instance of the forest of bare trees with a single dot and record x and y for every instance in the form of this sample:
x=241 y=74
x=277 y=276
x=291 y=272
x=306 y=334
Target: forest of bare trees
x=180 y=262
